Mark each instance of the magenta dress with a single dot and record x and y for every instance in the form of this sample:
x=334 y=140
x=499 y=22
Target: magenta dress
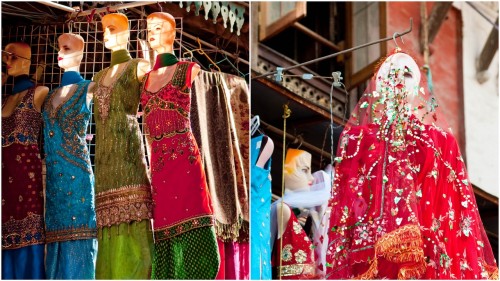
x=185 y=242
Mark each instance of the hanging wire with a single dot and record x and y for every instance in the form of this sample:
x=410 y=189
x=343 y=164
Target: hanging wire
x=286 y=114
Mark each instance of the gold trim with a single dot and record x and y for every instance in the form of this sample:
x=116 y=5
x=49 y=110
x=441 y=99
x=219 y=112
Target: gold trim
x=125 y=204
x=297 y=269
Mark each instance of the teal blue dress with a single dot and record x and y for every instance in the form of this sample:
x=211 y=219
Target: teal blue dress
x=70 y=209
x=260 y=208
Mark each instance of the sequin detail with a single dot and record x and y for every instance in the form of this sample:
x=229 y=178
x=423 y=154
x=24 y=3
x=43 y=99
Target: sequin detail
x=22 y=233
x=125 y=204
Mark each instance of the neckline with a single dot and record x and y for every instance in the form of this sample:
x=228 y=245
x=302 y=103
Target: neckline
x=162 y=87
x=117 y=77
x=55 y=109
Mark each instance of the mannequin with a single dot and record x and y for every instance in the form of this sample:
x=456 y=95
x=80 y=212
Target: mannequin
x=23 y=235
x=180 y=190
x=121 y=180
x=297 y=255
x=70 y=180
x=260 y=225
x=402 y=204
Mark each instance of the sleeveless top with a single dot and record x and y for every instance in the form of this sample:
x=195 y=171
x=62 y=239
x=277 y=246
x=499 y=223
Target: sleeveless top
x=22 y=186
x=260 y=224
x=297 y=253
x=122 y=186
x=70 y=210
x=180 y=192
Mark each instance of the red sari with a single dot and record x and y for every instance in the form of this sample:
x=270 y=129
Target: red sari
x=402 y=204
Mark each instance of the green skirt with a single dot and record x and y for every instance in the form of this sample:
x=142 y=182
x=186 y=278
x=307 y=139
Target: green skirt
x=125 y=251
x=191 y=255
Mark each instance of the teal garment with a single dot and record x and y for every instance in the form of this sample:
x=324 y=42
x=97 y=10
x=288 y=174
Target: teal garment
x=71 y=259
x=190 y=255
x=69 y=197
x=260 y=208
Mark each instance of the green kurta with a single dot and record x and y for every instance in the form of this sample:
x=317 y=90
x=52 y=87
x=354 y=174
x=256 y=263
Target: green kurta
x=122 y=186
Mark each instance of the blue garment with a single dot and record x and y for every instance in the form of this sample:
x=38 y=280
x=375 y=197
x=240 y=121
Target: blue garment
x=260 y=207
x=23 y=263
x=69 y=204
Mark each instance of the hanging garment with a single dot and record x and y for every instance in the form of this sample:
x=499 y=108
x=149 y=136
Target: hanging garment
x=260 y=227
x=122 y=187
x=23 y=234
x=402 y=204
x=297 y=252
x=219 y=118
x=185 y=241
x=70 y=222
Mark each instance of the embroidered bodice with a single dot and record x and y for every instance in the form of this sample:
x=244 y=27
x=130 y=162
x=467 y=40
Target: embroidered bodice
x=23 y=125
x=172 y=103
x=70 y=210
x=297 y=254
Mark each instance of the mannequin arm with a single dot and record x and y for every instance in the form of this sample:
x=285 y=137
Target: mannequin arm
x=265 y=152
x=194 y=72
x=40 y=94
x=282 y=223
x=90 y=92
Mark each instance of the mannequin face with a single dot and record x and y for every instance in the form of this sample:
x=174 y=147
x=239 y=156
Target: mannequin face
x=116 y=32
x=161 y=32
x=401 y=68
x=298 y=170
x=70 y=53
x=17 y=59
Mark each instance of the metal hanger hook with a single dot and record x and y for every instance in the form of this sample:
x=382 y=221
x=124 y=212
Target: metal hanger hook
x=394 y=38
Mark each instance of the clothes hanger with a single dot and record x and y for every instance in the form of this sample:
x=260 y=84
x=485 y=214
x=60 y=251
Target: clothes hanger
x=255 y=123
x=201 y=52
x=241 y=74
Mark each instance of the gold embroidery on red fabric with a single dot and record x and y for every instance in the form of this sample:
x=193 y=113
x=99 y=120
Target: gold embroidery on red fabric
x=297 y=269
x=403 y=245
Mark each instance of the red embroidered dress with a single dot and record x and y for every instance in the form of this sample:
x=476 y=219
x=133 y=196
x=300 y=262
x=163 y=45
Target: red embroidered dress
x=182 y=207
x=298 y=260
x=22 y=188
x=402 y=204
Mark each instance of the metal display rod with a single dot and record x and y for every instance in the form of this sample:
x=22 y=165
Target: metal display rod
x=397 y=34
x=58 y=6
x=113 y=8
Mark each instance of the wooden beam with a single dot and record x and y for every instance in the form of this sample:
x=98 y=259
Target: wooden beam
x=438 y=14
x=489 y=50
x=316 y=36
x=254 y=33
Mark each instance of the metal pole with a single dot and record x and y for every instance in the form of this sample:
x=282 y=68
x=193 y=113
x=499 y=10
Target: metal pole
x=59 y=6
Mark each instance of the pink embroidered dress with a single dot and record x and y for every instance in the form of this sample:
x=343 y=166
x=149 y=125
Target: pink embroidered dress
x=185 y=242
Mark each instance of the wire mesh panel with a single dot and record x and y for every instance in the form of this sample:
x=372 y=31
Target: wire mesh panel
x=44 y=47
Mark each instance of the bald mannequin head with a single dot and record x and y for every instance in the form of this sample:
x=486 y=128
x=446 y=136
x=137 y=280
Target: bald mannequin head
x=161 y=32
x=116 y=31
x=297 y=170
x=17 y=58
x=70 y=53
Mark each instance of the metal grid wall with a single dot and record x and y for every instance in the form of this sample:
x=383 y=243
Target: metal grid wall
x=44 y=47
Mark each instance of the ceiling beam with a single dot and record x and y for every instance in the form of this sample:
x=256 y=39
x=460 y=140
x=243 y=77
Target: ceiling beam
x=489 y=50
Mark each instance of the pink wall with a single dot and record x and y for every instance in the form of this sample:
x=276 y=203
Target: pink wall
x=445 y=59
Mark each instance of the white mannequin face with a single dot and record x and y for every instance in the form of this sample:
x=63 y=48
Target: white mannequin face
x=17 y=61
x=70 y=53
x=406 y=71
x=160 y=33
x=298 y=170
